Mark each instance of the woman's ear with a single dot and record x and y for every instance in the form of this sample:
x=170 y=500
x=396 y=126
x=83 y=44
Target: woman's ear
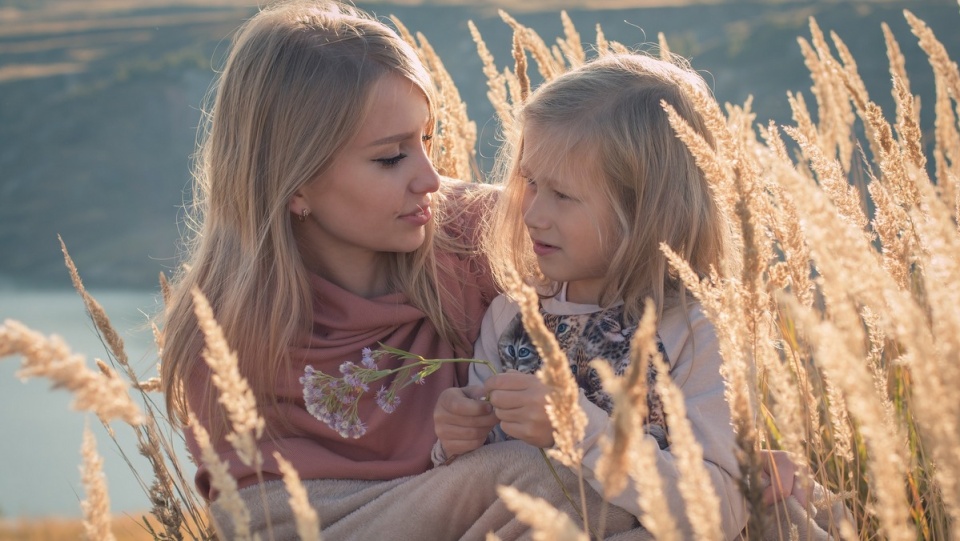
x=298 y=207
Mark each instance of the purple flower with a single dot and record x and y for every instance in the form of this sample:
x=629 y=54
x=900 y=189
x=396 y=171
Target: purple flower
x=367 y=359
x=387 y=401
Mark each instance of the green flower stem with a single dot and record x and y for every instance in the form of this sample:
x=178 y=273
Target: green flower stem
x=570 y=499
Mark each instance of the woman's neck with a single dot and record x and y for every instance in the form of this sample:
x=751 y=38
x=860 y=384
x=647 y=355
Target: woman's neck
x=365 y=277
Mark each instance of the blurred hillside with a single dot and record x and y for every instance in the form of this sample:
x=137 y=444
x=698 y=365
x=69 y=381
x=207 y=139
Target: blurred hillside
x=100 y=99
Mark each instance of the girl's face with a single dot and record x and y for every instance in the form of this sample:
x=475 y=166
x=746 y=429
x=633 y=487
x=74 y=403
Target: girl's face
x=569 y=225
x=375 y=196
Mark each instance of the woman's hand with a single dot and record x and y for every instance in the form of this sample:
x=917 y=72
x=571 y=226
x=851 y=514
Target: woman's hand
x=784 y=482
x=519 y=401
x=462 y=420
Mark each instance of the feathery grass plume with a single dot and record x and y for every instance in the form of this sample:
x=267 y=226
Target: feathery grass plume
x=164 y=288
x=308 y=523
x=892 y=225
x=703 y=504
x=665 y=54
x=105 y=395
x=823 y=89
x=491 y=537
x=572 y=47
x=947 y=77
x=908 y=125
x=96 y=312
x=630 y=453
x=898 y=63
x=520 y=67
x=165 y=504
x=723 y=302
x=229 y=496
x=843 y=366
x=496 y=83
x=602 y=46
x=629 y=394
x=567 y=417
x=96 y=506
x=844 y=133
x=875 y=361
x=236 y=397
x=457 y=134
x=547 y=523
x=939 y=257
x=833 y=182
x=546 y=63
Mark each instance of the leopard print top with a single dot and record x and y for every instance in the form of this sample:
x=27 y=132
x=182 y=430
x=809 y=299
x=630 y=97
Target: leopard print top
x=585 y=337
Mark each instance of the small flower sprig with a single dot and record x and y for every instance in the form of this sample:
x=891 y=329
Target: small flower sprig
x=334 y=400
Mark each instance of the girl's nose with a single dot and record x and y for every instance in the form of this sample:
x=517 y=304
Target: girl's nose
x=533 y=215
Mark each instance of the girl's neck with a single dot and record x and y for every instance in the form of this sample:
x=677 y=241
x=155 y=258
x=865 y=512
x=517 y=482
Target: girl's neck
x=583 y=292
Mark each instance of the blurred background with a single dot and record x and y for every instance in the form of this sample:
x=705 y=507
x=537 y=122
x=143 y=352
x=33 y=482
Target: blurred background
x=100 y=101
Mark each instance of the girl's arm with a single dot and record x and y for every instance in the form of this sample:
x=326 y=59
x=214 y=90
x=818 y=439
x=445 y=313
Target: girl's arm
x=695 y=367
x=462 y=420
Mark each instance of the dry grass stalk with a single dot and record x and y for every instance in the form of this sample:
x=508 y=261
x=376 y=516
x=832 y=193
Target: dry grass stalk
x=97 y=314
x=563 y=408
x=602 y=47
x=236 y=396
x=833 y=181
x=665 y=53
x=308 y=523
x=947 y=77
x=702 y=502
x=547 y=523
x=843 y=366
x=520 y=67
x=220 y=479
x=165 y=505
x=105 y=395
x=629 y=395
x=96 y=506
x=892 y=225
x=546 y=62
x=572 y=47
x=496 y=83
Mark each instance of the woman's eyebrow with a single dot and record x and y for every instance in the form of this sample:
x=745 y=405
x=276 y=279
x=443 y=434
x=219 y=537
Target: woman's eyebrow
x=395 y=138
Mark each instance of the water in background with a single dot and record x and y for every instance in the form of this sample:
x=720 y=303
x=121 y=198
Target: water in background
x=41 y=435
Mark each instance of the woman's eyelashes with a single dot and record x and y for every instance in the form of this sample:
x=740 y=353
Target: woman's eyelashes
x=390 y=162
x=394 y=160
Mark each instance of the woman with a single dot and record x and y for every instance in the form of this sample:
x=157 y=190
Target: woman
x=322 y=228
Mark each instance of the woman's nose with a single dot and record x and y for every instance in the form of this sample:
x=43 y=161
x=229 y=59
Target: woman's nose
x=427 y=179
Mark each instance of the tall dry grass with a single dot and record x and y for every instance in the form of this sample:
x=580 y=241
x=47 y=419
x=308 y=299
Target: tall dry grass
x=838 y=322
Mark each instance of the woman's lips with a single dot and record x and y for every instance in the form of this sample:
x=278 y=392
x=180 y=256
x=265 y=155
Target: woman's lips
x=419 y=217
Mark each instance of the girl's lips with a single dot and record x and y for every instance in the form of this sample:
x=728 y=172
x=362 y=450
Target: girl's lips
x=542 y=249
x=418 y=218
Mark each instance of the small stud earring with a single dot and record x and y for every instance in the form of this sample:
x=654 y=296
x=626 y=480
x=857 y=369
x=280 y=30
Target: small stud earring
x=303 y=215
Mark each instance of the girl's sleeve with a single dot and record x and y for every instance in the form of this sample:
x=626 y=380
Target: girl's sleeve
x=500 y=312
x=694 y=357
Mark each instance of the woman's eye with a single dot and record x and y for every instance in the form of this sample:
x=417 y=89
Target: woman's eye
x=390 y=162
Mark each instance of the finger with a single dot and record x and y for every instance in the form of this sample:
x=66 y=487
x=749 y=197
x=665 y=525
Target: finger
x=509 y=381
x=468 y=407
x=466 y=421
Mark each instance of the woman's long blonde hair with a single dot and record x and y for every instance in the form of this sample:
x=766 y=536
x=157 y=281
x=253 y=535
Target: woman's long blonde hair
x=293 y=91
x=604 y=124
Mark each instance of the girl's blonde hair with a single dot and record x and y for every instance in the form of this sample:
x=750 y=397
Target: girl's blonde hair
x=293 y=92
x=603 y=123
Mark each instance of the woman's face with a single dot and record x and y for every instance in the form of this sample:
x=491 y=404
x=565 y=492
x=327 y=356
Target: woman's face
x=375 y=196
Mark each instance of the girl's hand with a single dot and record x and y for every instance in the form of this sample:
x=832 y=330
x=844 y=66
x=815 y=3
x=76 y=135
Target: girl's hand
x=519 y=401
x=462 y=420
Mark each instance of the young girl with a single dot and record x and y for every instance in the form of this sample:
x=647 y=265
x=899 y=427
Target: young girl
x=597 y=182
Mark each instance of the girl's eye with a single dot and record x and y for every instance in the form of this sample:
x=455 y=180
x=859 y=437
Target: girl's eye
x=562 y=196
x=390 y=162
